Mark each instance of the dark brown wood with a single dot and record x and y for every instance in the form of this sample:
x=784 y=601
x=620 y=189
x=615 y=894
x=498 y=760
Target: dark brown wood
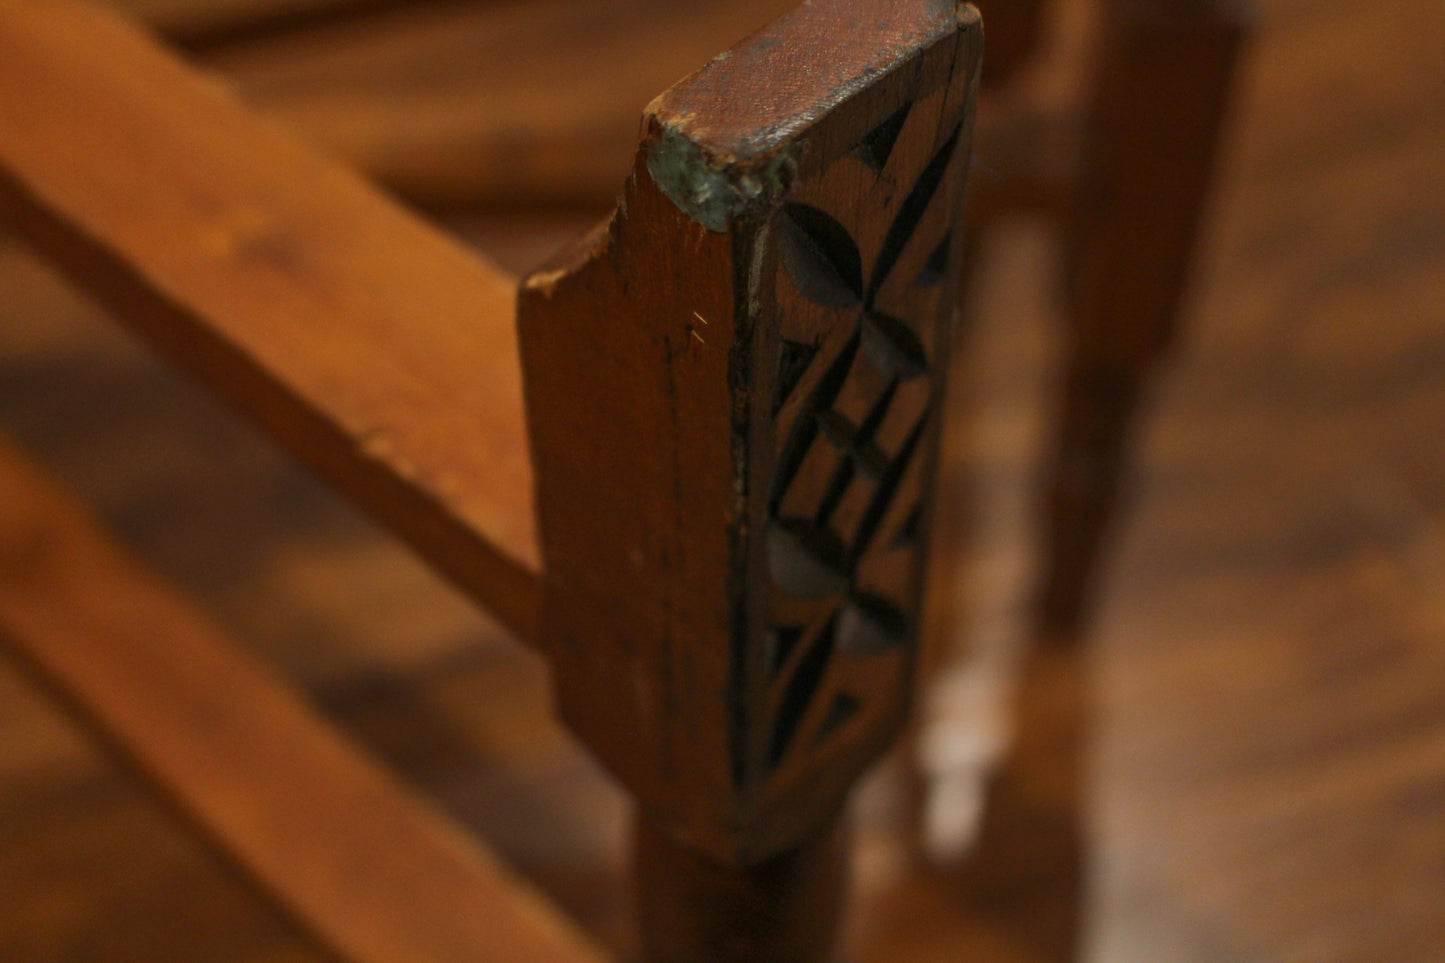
x=731 y=389
x=1014 y=27
x=787 y=909
x=377 y=350
x=367 y=867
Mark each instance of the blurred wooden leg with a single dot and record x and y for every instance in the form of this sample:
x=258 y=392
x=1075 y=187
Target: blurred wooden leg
x=1097 y=406
x=784 y=910
x=1165 y=69
x=1031 y=860
x=1164 y=75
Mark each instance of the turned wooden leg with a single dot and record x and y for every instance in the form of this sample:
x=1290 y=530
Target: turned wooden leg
x=1164 y=75
x=786 y=909
x=1097 y=407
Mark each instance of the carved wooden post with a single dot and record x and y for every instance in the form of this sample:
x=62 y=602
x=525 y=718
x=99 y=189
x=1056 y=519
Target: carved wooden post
x=733 y=391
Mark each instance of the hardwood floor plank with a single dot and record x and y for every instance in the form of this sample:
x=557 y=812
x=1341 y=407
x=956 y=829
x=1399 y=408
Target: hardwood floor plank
x=365 y=865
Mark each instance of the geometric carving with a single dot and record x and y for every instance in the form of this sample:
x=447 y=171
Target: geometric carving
x=875 y=149
x=731 y=396
x=811 y=552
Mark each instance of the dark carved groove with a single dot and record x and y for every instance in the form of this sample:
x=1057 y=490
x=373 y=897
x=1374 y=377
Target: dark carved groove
x=883 y=494
x=844 y=707
x=875 y=149
x=909 y=531
x=910 y=212
x=785 y=640
x=836 y=488
x=805 y=560
x=805 y=426
x=935 y=269
x=892 y=347
x=793 y=361
x=819 y=255
x=869 y=624
x=799 y=693
x=860 y=452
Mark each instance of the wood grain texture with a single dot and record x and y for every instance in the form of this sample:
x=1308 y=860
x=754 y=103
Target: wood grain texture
x=377 y=350
x=734 y=355
x=363 y=864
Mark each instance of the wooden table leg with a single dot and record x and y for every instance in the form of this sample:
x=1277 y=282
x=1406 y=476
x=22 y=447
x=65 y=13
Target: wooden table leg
x=1164 y=76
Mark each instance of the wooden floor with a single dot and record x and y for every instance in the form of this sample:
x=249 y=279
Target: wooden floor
x=1267 y=667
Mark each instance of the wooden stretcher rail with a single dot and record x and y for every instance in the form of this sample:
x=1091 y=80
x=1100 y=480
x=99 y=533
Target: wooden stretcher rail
x=374 y=872
x=375 y=348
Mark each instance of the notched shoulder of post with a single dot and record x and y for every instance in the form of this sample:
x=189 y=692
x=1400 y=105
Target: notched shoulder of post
x=717 y=188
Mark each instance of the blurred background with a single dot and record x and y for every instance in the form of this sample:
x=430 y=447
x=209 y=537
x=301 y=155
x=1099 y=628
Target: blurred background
x=1230 y=746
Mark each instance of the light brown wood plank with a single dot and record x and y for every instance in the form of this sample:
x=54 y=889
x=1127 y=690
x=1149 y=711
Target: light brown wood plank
x=370 y=869
x=376 y=349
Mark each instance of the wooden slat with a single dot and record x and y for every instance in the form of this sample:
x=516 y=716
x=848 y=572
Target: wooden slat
x=369 y=868
x=375 y=348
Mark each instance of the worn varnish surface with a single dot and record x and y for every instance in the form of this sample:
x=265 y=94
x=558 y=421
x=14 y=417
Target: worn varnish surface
x=1268 y=761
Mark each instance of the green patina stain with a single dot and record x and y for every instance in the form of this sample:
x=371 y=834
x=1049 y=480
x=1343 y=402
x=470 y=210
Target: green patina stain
x=715 y=191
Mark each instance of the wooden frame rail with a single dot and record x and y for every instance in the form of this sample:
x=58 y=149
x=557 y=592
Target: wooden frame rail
x=375 y=348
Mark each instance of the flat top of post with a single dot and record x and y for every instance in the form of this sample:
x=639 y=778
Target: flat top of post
x=751 y=100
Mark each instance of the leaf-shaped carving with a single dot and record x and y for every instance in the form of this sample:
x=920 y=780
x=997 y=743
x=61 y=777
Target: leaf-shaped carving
x=805 y=560
x=845 y=706
x=869 y=624
x=892 y=347
x=820 y=256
